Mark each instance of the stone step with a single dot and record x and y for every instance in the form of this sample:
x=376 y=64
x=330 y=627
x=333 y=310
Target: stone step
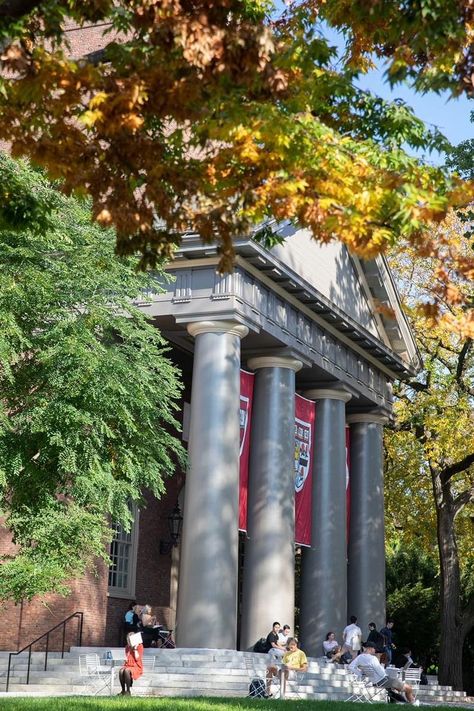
x=191 y=673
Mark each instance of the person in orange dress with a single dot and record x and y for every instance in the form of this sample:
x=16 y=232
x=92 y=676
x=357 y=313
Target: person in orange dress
x=133 y=667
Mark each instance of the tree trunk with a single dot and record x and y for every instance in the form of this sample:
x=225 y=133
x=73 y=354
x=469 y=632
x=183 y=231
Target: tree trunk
x=452 y=633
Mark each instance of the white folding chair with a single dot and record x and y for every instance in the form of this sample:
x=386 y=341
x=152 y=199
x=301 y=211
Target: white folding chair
x=365 y=688
x=413 y=677
x=298 y=680
x=148 y=663
x=374 y=693
x=256 y=684
x=359 y=688
x=95 y=677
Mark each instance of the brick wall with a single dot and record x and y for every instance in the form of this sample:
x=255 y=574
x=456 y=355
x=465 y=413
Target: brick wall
x=153 y=569
x=22 y=623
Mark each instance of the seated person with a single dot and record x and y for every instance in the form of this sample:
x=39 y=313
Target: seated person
x=331 y=647
x=277 y=647
x=149 y=627
x=403 y=660
x=294 y=660
x=273 y=641
x=379 y=677
x=133 y=665
x=284 y=635
x=131 y=618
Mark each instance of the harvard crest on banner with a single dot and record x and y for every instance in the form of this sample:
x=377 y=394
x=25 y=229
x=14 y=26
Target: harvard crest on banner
x=245 y=416
x=305 y=413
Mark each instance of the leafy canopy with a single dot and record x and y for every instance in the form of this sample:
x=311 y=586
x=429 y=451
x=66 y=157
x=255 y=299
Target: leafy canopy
x=213 y=116
x=87 y=393
x=413 y=599
x=431 y=450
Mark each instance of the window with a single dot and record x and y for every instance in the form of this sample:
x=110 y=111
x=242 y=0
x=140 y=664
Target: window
x=123 y=557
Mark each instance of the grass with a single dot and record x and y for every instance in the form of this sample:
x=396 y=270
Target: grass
x=169 y=704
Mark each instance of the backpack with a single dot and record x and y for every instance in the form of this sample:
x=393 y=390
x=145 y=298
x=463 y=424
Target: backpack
x=257 y=689
x=395 y=698
x=260 y=646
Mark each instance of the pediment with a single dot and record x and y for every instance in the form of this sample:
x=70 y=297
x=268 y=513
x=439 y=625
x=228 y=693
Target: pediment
x=353 y=286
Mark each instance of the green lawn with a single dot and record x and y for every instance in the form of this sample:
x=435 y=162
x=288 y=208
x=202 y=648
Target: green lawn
x=121 y=703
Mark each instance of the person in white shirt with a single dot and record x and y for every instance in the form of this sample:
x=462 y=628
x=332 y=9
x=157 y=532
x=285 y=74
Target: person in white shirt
x=284 y=635
x=352 y=637
x=378 y=675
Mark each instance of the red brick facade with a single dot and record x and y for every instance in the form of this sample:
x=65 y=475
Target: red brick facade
x=21 y=624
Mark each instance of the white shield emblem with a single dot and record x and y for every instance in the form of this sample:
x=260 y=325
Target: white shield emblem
x=244 y=419
x=302 y=452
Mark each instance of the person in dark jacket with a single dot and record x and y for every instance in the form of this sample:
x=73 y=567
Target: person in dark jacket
x=389 y=645
x=376 y=638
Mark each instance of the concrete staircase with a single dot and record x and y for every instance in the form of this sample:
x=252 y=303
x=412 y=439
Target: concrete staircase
x=191 y=672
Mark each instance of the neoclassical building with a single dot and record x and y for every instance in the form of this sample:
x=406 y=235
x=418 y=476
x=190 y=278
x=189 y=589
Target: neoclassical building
x=303 y=318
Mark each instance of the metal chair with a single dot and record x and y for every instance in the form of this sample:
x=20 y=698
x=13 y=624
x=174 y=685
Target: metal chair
x=359 y=688
x=95 y=677
x=298 y=680
x=413 y=677
x=148 y=663
x=257 y=684
x=166 y=639
x=375 y=694
x=368 y=691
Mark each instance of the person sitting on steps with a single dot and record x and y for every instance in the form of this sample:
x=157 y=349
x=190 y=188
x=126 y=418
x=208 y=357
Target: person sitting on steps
x=149 y=627
x=332 y=649
x=133 y=666
x=294 y=660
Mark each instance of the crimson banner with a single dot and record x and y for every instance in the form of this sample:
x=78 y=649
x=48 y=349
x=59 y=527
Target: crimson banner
x=305 y=413
x=348 y=481
x=246 y=396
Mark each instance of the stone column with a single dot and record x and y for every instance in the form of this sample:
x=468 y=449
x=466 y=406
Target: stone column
x=269 y=563
x=324 y=565
x=366 y=567
x=207 y=597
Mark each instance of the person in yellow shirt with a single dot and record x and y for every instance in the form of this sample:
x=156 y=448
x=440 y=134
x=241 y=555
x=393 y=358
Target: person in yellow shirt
x=294 y=660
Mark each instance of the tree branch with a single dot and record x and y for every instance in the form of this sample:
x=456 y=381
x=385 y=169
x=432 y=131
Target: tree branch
x=419 y=387
x=462 y=362
x=462 y=500
x=448 y=472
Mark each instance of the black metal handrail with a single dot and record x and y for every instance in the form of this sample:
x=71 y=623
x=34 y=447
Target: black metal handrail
x=80 y=617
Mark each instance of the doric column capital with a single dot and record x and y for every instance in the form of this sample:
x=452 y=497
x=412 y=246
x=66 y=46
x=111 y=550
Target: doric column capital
x=327 y=394
x=375 y=418
x=232 y=327
x=275 y=362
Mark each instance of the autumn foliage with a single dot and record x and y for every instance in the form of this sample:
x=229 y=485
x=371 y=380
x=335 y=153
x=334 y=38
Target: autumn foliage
x=212 y=116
